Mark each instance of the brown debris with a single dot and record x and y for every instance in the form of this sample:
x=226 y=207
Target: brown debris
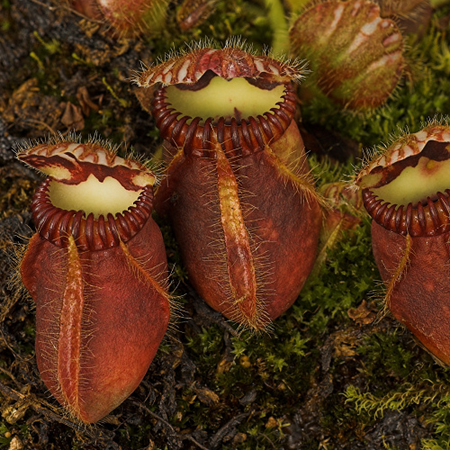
x=73 y=117
x=206 y=396
x=85 y=101
x=363 y=314
x=29 y=109
x=192 y=13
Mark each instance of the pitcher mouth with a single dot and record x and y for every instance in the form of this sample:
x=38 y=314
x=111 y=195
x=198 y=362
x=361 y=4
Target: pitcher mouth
x=239 y=132
x=90 y=232
x=214 y=97
x=411 y=196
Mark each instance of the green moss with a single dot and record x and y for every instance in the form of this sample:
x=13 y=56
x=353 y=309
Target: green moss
x=234 y=18
x=5 y=436
x=433 y=444
x=343 y=282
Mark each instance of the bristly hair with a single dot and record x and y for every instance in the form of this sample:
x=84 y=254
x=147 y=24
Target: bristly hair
x=126 y=152
x=296 y=67
x=71 y=137
x=402 y=134
x=174 y=53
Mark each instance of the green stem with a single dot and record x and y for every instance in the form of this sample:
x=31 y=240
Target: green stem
x=278 y=22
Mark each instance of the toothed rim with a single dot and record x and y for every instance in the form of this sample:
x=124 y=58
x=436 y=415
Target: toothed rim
x=430 y=219
x=56 y=224
x=244 y=138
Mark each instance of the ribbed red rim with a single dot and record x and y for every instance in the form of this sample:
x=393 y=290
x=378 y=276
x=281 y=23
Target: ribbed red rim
x=56 y=224
x=244 y=138
x=430 y=219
